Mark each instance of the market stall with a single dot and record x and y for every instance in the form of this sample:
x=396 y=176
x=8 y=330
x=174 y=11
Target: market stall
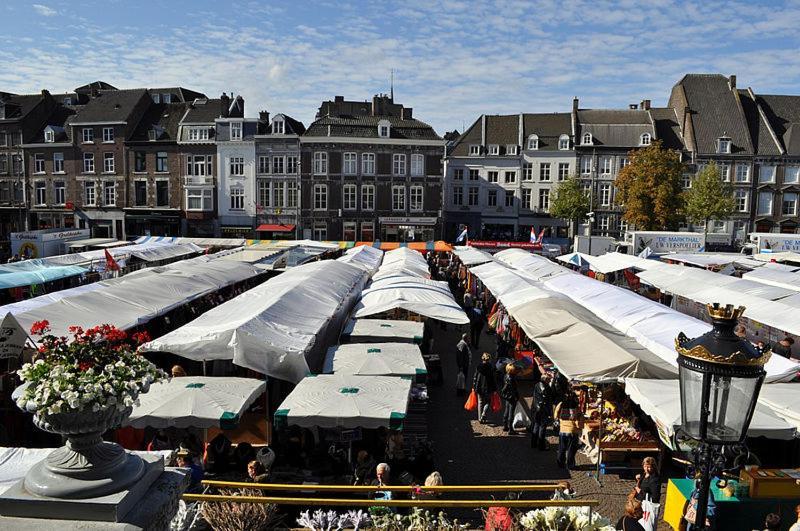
x=376 y=359
x=368 y=258
x=412 y=296
x=383 y=330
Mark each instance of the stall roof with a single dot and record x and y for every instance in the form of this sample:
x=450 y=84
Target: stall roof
x=688 y=281
x=535 y=266
x=784 y=256
x=45 y=274
x=471 y=256
x=774 y=277
x=383 y=330
x=148 y=252
x=272 y=327
x=363 y=256
x=712 y=259
x=90 y=242
x=346 y=401
x=784 y=400
x=611 y=262
x=430 y=298
x=48 y=298
x=375 y=359
x=404 y=262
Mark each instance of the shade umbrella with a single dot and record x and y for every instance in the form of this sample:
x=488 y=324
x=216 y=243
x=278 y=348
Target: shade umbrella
x=196 y=402
x=376 y=359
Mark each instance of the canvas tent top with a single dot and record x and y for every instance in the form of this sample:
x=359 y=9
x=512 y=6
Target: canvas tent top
x=45 y=274
x=375 y=359
x=346 y=401
x=705 y=260
x=403 y=262
x=611 y=262
x=775 y=277
x=784 y=400
x=471 y=256
x=90 y=242
x=281 y=328
x=48 y=298
x=430 y=298
x=363 y=256
x=534 y=266
x=784 y=256
x=685 y=281
x=660 y=399
x=148 y=252
x=383 y=330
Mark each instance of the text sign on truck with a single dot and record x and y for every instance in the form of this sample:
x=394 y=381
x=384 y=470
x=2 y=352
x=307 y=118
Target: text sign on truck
x=669 y=243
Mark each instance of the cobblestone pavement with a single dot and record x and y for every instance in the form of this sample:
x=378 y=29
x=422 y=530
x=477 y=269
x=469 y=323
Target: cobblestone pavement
x=467 y=452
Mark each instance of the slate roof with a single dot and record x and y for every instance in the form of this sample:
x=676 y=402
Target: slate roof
x=548 y=127
x=367 y=127
x=471 y=136
x=110 y=106
x=96 y=85
x=19 y=105
x=763 y=141
x=716 y=112
x=614 y=127
x=290 y=127
x=783 y=113
x=59 y=119
x=668 y=129
x=165 y=117
x=204 y=111
x=179 y=94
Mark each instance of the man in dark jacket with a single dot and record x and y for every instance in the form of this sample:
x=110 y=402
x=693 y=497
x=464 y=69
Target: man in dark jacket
x=542 y=412
x=510 y=395
x=463 y=357
x=484 y=385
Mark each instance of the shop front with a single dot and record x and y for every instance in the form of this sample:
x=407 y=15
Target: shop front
x=153 y=223
x=407 y=229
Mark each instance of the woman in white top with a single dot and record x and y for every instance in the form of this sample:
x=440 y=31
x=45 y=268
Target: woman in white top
x=796 y=525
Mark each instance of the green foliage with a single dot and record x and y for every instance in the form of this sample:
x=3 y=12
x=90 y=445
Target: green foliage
x=709 y=197
x=569 y=201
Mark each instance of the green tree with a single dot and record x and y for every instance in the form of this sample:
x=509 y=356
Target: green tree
x=650 y=188
x=709 y=197
x=570 y=202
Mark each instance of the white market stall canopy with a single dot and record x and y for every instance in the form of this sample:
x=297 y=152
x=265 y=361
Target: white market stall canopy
x=430 y=298
x=92 y=242
x=135 y=299
x=660 y=399
x=346 y=401
x=376 y=359
x=716 y=260
x=403 y=262
x=27 y=305
x=784 y=400
x=196 y=402
x=534 y=266
x=783 y=256
x=281 y=328
x=147 y=252
x=383 y=330
x=363 y=256
x=775 y=277
x=471 y=256
x=611 y=262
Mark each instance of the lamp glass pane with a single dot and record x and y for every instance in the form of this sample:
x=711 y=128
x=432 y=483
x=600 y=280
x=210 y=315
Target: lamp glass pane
x=691 y=400
x=729 y=404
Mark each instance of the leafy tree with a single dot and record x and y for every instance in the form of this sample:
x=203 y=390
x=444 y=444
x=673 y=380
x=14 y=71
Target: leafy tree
x=570 y=202
x=650 y=188
x=709 y=197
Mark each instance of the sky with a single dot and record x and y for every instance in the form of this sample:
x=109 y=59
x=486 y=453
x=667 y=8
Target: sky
x=452 y=60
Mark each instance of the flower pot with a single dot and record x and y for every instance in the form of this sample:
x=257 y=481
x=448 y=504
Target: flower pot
x=86 y=466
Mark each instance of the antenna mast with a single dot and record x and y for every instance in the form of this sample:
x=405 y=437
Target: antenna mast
x=391 y=85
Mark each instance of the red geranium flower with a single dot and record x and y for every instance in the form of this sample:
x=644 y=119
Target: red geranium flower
x=40 y=327
x=85 y=365
x=141 y=337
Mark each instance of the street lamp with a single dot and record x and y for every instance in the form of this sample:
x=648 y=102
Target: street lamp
x=720 y=377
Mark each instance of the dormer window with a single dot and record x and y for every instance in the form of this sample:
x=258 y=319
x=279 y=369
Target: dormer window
x=474 y=150
x=384 y=129
x=533 y=142
x=494 y=149
x=236 y=130
x=511 y=149
x=49 y=135
x=278 y=127
x=68 y=100
x=563 y=142
x=156 y=97
x=644 y=140
x=166 y=98
x=587 y=139
x=723 y=144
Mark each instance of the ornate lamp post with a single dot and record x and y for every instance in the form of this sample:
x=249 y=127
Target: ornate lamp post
x=720 y=378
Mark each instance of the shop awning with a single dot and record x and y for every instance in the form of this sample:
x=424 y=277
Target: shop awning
x=383 y=330
x=267 y=227
x=470 y=256
x=375 y=359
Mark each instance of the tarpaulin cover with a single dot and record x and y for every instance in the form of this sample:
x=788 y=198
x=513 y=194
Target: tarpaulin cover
x=375 y=359
x=610 y=262
x=196 y=402
x=687 y=281
x=363 y=256
x=712 y=259
x=775 y=277
x=660 y=399
x=281 y=328
x=470 y=256
x=403 y=261
x=48 y=298
x=784 y=400
x=430 y=298
x=537 y=267
x=346 y=401
x=148 y=252
x=39 y=276
x=382 y=330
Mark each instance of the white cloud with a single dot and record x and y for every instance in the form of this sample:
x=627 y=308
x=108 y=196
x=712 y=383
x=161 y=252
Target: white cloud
x=44 y=10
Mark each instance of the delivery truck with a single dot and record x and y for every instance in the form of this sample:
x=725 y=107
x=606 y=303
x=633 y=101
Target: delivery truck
x=46 y=242
x=662 y=242
x=773 y=242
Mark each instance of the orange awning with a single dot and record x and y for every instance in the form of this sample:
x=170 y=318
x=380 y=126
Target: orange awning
x=275 y=228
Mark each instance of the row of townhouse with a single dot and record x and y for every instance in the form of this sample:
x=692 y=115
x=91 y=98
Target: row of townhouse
x=172 y=162
x=500 y=173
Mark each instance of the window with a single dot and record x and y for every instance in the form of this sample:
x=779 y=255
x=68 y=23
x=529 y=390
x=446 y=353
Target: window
x=544 y=198
x=764 y=203
x=766 y=174
x=563 y=171
x=237 y=198
x=644 y=140
x=563 y=142
x=166 y=98
x=237 y=165
x=415 y=198
x=156 y=97
x=88 y=135
x=263 y=189
x=199 y=165
x=199 y=199
x=59 y=192
x=49 y=136
x=236 y=130
x=741 y=198
x=494 y=177
x=108 y=134
x=3 y=138
x=491 y=198
x=162 y=165
x=198 y=133
x=458 y=196
x=604 y=224
x=278 y=194
x=320 y=197
x=510 y=177
x=368 y=163
x=41 y=193
x=789 y=206
x=162 y=193
x=139 y=161
x=623 y=161
x=38 y=163
x=16 y=164
x=509 y=201
x=89 y=198
x=367 y=197
x=108 y=162
x=398 y=164
x=587 y=138
x=791 y=175
x=140 y=193
x=398 y=198
x=291 y=194
x=605 y=194
x=472 y=196
x=605 y=165
x=458 y=175
x=533 y=142
x=725 y=172
x=417 y=164
x=350 y=166
x=474 y=150
x=723 y=145
x=263 y=164
x=544 y=171
x=511 y=149
x=320 y=163
x=88 y=163
x=349 y=197
x=277 y=165
x=291 y=165
x=474 y=175
x=494 y=149
x=349 y=231
x=367 y=231
x=586 y=165
x=3 y=163
x=320 y=231
x=742 y=173
x=527 y=171
x=110 y=193
x=278 y=127
x=383 y=131
x=527 y=197
x=686 y=181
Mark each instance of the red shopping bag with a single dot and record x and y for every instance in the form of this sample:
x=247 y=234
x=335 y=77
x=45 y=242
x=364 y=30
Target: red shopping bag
x=472 y=402
x=495 y=402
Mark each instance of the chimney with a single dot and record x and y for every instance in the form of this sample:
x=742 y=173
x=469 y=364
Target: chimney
x=645 y=105
x=239 y=103
x=338 y=99
x=263 y=116
x=633 y=106
x=406 y=113
x=575 y=104
x=732 y=81
x=224 y=105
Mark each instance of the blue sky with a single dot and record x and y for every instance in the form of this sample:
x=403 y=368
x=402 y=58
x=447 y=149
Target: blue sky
x=453 y=60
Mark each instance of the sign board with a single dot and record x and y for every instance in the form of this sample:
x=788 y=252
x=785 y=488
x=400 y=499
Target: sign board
x=777 y=243
x=48 y=242
x=12 y=337
x=400 y=220
x=668 y=242
x=491 y=244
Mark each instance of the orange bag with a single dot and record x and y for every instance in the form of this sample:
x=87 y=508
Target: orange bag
x=495 y=402
x=472 y=402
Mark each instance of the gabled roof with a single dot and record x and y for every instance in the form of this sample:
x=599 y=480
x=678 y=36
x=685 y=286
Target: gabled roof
x=110 y=106
x=95 y=85
x=502 y=129
x=17 y=106
x=548 y=127
x=203 y=111
x=291 y=126
x=668 y=130
x=179 y=94
x=472 y=136
x=763 y=141
x=163 y=118
x=783 y=113
x=367 y=127
x=614 y=127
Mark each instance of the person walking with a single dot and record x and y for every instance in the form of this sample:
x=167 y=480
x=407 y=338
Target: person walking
x=484 y=385
x=463 y=357
x=476 y=323
x=542 y=412
x=510 y=395
x=569 y=428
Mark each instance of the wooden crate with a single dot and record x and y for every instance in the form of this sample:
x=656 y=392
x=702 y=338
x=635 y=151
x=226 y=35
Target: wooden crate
x=770 y=486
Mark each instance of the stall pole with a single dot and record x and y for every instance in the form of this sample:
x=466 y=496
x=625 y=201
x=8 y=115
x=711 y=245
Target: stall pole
x=600 y=438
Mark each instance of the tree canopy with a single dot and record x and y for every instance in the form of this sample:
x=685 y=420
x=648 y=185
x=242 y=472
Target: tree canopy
x=569 y=201
x=709 y=197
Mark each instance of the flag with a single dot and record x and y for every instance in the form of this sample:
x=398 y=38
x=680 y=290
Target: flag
x=462 y=236
x=541 y=237
x=533 y=235
x=633 y=280
x=646 y=252
x=111 y=264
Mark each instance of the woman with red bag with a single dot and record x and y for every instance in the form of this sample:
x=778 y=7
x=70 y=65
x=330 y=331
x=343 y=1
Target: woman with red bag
x=484 y=385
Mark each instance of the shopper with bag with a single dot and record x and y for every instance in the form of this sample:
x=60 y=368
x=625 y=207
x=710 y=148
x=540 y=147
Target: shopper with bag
x=463 y=356
x=690 y=511
x=569 y=428
x=484 y=385
x=510 y=395
x=630 y=520
x=542 y=412
x=649 y=484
